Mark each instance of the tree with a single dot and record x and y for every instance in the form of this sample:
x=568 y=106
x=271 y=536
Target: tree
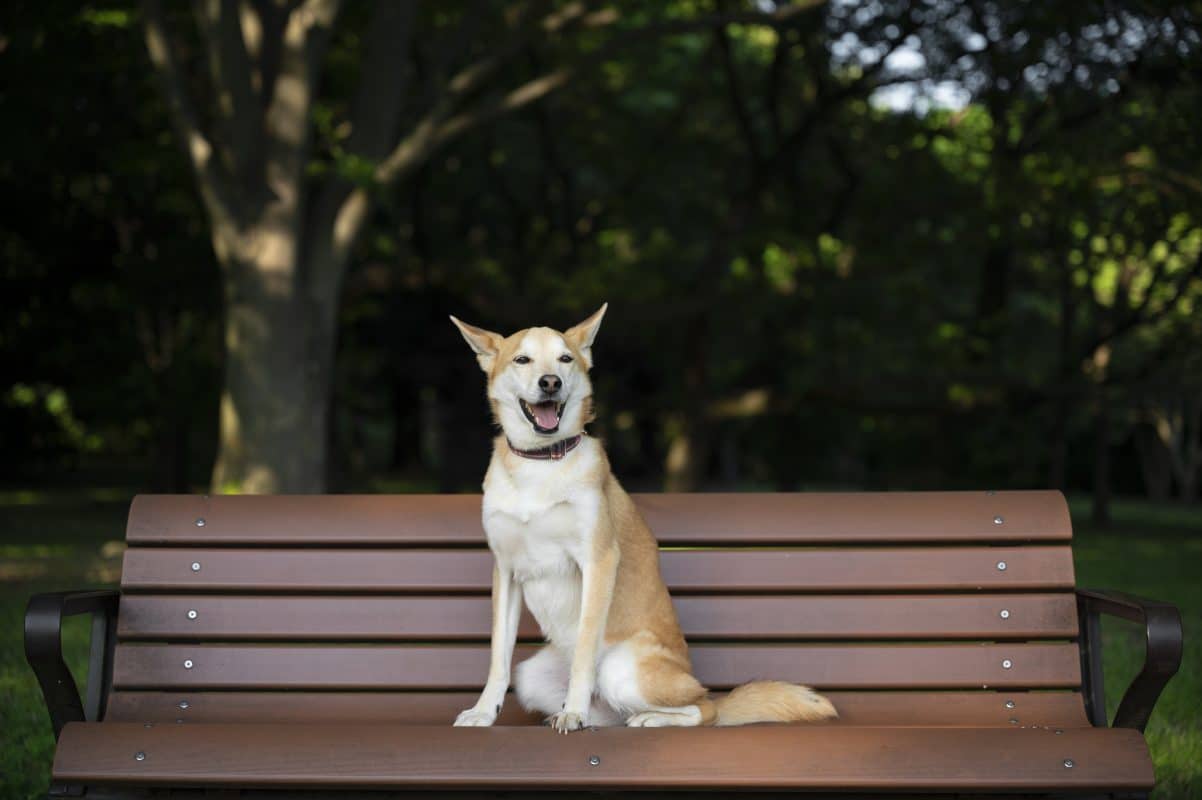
x=282 y=235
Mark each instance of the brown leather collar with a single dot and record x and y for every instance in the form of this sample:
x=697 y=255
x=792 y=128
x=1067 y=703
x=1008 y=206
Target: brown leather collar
x=554 y=452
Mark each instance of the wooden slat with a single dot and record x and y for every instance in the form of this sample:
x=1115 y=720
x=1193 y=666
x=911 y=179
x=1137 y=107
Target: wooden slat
x=809 y=518
x=436 y=571
x=326 y=618
x=464 y=667
x=798 y=757
x=922 y=709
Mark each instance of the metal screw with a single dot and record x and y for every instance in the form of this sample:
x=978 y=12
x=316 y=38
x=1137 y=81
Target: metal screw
x=188 y=664
x=594 y=760
x=1009 y=704
x=1013 y=721
x=196 y=566
x=200 y=522
x=149 y=725
x=1004 y=613
x=1007 y=664
x=1058 y=731
x=998 y=520
x=1068 y=762
x=1001 y=565
x=192 y=613
x=990 y=492
x=184 y=704
x=139 y=756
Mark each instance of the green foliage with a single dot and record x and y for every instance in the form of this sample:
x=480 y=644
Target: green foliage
x=109 y=340
x=916 y=294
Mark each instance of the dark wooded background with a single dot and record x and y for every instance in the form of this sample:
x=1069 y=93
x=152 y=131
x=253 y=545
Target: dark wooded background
x=880 y=244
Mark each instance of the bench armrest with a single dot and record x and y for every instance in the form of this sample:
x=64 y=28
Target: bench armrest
x=1162 y=656
x=44 y=652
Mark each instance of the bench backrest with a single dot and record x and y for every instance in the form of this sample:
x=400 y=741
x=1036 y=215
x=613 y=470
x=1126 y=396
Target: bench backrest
x=908 y=608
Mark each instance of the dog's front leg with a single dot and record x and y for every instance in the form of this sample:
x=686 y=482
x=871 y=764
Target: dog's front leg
x=506 y=611
x=597 y=587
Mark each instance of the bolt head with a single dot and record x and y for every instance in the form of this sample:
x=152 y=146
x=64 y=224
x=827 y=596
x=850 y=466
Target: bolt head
x=1068 y=763
x=188 y=663
x=1001 y=565
x=1004 y=613
x=191 y=613
x=1013 y=721
x=184 y=704
x=998 y=520
x=200 y=522
x=139 y=756
x=196 y=566
x=1009 y=704
x=1007 y=663
x=594 y=760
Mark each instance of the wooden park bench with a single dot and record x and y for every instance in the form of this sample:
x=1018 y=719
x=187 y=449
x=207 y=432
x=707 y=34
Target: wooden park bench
x=327 y=643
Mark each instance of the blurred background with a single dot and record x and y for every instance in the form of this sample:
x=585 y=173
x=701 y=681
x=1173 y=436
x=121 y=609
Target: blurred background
x=881 y=245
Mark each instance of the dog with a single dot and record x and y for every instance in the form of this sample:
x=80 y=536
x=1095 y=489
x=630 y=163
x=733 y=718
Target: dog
x=568 y=540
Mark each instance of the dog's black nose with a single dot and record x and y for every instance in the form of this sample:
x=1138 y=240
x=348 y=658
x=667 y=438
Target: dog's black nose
x=549 y=384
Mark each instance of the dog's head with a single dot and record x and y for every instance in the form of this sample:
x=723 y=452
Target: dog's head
x=538 y=382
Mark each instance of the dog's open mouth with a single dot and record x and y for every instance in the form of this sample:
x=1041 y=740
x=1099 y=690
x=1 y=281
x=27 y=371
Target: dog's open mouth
x=543 y=416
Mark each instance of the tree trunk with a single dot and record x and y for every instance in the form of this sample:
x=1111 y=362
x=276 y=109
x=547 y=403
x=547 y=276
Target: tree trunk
x=1154 y=462
x=1058 y=446
x=1101 y=461
x=688 y=453
x=279 y=341
x=1187 y=479
x=688 y=450
x=1064 y=396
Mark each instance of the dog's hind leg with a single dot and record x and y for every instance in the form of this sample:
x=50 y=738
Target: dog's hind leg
x=541 y=683
x=651 y=688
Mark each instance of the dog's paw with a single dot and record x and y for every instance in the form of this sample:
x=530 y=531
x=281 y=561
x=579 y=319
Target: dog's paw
x=567 y=721
x=472 y=718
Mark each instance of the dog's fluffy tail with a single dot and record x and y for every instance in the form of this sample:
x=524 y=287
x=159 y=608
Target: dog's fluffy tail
x=768 y=701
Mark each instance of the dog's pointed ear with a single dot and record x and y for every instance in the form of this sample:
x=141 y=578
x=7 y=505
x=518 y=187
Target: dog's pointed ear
x=581 y=336
x=484 y=344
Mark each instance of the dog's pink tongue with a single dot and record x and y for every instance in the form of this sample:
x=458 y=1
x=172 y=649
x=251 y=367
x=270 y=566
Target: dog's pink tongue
x=546 y=414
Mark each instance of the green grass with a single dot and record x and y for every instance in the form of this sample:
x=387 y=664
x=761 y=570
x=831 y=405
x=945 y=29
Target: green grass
x=1154 y=551
x=66 y=540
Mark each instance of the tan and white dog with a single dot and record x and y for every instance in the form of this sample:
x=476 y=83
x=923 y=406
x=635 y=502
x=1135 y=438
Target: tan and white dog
x=568 y=540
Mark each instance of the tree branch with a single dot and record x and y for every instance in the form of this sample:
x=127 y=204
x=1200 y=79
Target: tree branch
x=1140 y=317
x=286 y=122
x=439 y=126
x=263 y=24
x=340 y=211
x=214 y=186
x=737 y=101
x=220 y=25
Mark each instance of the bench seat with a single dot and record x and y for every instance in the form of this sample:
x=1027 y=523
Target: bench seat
x=292 y=645
x=381 y=756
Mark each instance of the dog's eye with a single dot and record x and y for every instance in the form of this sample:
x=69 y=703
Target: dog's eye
x=565 y=358
x=522 y=360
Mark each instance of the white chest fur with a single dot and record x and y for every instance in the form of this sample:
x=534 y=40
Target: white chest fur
x=540 y=518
